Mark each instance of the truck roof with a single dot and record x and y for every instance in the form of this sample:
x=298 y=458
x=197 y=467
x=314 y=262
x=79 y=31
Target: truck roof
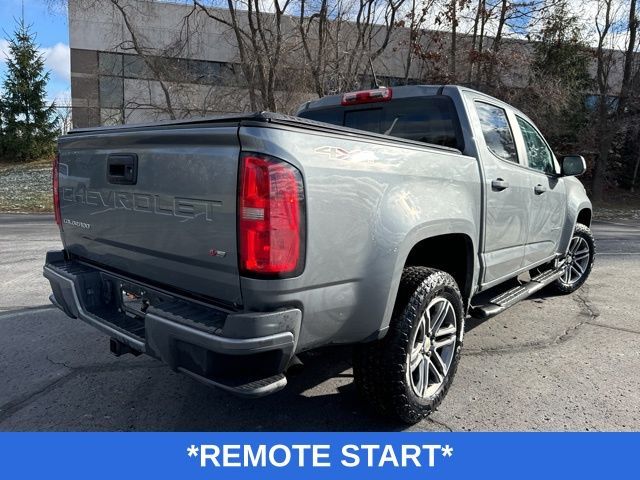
x=398 y=92
x=404 y=91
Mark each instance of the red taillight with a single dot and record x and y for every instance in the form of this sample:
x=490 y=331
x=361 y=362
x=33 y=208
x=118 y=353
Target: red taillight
x=383 y=94
x=56 y=188
x=270 y=217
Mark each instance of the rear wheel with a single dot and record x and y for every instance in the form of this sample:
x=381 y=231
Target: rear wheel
x=408 y=373
x=579 y=261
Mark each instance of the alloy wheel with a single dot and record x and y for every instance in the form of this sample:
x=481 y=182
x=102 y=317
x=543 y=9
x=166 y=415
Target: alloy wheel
x=577 y=261
x=432 y=348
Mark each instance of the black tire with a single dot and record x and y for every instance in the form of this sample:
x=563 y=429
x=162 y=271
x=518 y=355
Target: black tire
x=561 y=286
x=380 y=368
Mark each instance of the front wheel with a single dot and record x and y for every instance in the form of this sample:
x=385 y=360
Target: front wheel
x=408 y=373
x=578 y=262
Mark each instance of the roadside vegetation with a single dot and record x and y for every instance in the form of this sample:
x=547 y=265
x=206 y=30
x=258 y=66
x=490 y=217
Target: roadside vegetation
x=26 y=187
x=621 y=206
x=28 y=128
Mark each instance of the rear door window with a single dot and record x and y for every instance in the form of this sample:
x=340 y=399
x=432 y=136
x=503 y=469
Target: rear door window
x=497 y=132
x=423 y=119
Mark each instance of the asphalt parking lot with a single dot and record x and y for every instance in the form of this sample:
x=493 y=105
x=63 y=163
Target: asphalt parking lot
x=549 y=363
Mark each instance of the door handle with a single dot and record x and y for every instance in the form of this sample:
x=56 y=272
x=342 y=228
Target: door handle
x=499 y=184
x=122 y=169
x=539 y=189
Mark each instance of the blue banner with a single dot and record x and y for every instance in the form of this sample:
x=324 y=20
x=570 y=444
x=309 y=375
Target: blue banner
x=316 y=456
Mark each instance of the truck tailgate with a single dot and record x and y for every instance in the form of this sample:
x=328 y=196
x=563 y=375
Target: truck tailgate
x=155 y=203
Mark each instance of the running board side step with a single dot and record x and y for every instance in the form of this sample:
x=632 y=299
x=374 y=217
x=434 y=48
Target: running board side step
x=509 y=298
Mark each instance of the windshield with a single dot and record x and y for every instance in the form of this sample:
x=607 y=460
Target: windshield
x=423 y=119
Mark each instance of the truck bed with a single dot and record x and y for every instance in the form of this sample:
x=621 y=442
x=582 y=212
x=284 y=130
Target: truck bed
x=248 y=119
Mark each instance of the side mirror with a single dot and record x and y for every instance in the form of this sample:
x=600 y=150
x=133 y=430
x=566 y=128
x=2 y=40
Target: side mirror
x=573 y=165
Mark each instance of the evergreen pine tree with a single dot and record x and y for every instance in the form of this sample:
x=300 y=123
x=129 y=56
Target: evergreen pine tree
x=28 y=125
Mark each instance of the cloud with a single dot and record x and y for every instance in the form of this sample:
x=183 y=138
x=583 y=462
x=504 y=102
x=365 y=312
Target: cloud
x=57 y=59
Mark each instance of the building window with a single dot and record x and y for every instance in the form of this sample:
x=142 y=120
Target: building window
x=135 y=67
x=179 y=70
x=110 y=63
x=111 y=92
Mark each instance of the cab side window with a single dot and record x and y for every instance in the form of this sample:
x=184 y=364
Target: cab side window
x=496 y=131
x=539 y=155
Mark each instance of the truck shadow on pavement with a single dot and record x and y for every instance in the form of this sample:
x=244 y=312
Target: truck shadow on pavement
x=89 y=390
x=321 y=396
x=72 y=383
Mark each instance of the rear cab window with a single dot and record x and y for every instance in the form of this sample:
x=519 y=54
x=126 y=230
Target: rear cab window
x=430 y=119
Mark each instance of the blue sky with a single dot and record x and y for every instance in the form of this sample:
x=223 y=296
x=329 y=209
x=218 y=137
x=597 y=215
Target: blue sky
x=52 y=32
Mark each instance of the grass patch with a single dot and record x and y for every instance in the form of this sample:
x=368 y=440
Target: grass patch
x=607 y=211
x=26 y=187
x=620 y=205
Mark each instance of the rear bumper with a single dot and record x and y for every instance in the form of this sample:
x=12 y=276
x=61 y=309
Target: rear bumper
x=245 y=353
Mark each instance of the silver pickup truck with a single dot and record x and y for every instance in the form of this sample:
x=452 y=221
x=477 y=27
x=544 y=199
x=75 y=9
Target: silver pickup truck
x=380 y=219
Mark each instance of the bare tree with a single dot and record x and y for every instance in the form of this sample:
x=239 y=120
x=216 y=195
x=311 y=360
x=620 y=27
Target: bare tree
x=450 y=15
x=318 y=21
x=341 y=38
x=63 y=113
x=415 y=20
x=264 y=39
x=152 y=56
x=610 y=117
